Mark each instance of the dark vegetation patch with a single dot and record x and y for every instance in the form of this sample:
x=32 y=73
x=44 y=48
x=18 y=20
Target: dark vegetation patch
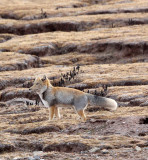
x=29 y=146
x=66 y=147
x=37 y=130
x=127 y=49
x=9 y=16
x=43 y=27
x=4 y=38
x=4 y=50
x=143 y=134
x=68 y=26
x=124 y=50
x=6 y=148
x=116 y=11
x=71 y=6
x=32 y=120
x=3 y=105
x=143 y=120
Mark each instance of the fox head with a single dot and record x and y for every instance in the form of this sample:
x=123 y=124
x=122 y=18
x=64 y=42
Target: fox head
x=40 y=85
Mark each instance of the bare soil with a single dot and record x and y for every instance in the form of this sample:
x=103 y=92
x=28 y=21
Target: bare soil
x=108 y=40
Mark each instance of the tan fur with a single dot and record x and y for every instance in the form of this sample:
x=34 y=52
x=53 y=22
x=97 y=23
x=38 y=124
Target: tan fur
x=52 y=96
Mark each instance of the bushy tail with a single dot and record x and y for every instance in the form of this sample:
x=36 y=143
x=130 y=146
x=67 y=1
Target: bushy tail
x=102 y=102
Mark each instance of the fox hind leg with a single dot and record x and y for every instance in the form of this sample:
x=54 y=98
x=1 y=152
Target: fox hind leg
x=82 y=114
x=57 y=113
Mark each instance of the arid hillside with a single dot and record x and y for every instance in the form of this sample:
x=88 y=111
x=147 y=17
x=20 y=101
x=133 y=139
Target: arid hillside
x=96 y=46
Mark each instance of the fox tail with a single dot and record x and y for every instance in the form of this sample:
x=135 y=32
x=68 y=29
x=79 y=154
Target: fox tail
x=103 y=102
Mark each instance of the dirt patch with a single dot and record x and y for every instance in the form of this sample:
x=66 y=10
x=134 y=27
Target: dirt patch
x=129 y=126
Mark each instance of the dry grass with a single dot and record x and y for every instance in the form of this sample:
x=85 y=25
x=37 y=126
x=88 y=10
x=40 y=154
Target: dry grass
x=121 y=91
x=34 y=8
x=16 y=61
x=80 y=18
x=12 y=57
x=133 y=34
x=101 y=73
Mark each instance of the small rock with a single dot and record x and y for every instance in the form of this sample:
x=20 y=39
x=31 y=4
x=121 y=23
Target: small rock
x=20 y=158
x=36 y=157
x=87 y=137
x=95 y=149
x=137 y=148
x=38 y=153
x=105 y=151
x=83 y=152
x=31 y=158
x=92 y=120
x=17 y=158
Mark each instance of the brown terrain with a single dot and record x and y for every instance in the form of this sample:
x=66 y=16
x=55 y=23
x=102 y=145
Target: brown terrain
x=108 y=39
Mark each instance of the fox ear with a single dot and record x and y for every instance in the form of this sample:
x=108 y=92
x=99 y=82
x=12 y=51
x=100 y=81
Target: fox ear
x=44 y=78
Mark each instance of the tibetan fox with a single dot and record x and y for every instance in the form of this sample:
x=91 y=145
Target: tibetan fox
x=53 y=96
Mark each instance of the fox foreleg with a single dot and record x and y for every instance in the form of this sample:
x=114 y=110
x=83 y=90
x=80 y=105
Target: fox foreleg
x=45 y=103
x=51 y=112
